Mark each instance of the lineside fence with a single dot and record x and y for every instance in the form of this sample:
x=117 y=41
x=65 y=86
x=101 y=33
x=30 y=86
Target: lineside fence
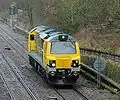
x=97 y=53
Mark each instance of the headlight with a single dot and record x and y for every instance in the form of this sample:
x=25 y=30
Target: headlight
x=75 y=63
x=52 y=63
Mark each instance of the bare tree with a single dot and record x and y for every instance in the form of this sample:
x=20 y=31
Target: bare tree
x=29 y=10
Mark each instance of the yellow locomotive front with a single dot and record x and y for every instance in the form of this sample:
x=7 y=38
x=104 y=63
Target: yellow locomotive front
x=62 y=59
x=55 y=55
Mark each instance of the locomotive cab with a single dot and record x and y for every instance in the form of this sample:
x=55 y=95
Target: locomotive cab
x=55 y=55
x=62 y=59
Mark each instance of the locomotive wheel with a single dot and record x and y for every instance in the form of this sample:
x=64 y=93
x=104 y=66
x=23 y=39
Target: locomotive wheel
x=36 y=66
x=30 y=60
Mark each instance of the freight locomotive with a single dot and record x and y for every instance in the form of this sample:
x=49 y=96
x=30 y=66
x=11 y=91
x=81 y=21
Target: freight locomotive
x=55 y=54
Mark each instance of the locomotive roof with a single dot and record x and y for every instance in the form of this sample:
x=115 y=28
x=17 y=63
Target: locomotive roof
x=39 y=28
x=50 y=34
x=44 y=34
x=43 y=31
x=56 y=37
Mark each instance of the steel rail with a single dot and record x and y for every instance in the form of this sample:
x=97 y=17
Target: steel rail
x=26 y=58
x=40 y=73
x=19 y=78
x=18 y=75
x=80 y=93
x=9 y=91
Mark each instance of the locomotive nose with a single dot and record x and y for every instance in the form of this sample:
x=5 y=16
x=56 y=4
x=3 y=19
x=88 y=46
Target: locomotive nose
x=64 y=62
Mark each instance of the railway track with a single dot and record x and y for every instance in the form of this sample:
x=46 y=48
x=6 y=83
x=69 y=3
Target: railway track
x=13 y=46
x=77 y=94
x=17 y=42
x=8 y=89
x=19 y=77
x=14 y=39
x=89 y=72
x=89 y=75
x=94 y=74
x=80 y=93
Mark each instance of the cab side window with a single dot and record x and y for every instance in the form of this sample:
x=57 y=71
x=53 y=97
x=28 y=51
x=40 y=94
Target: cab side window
x=45 y=47
x=31 y=37
x=42 y=41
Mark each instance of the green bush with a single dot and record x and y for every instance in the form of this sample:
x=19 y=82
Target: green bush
x=113 y=70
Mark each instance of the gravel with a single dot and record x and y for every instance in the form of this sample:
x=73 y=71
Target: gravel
x=16 y=89
x=4 y=94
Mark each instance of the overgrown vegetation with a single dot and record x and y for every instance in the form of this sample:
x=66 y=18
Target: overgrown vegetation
x=101 y=19
x=112 y=69
x=72 y=15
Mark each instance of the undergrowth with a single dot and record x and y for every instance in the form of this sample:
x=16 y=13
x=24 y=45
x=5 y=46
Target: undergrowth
x=112 y=69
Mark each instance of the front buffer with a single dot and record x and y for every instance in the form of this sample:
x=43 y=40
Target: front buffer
x=62 y=76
